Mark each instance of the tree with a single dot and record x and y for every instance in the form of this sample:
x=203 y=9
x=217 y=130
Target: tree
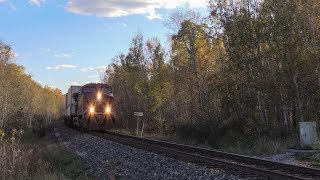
x=129 y=80
x=160 y=87
x=22 y=100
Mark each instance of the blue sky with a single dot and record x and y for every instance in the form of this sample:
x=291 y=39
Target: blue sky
x=69 y=42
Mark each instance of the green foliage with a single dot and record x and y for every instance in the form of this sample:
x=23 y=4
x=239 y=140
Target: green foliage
x=306 y=147
x=261 y=147
x=249 y=71
x=60 y=161
x=66 y=163
x=314 y=159
x=129 y=80
x=317 y=146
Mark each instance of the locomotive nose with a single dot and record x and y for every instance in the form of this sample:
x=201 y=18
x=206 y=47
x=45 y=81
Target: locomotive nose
x=100 y=107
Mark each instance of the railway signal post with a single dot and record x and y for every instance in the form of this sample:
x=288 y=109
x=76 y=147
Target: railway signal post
x=139 y=114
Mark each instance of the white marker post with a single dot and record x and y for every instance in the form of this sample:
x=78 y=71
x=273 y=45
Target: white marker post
x=139 y=114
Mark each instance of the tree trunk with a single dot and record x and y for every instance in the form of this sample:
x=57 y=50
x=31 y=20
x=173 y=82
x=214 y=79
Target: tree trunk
x=318 y=72
x=5 y=109
x=284 y=110
x=298 y=100
x=260 y=107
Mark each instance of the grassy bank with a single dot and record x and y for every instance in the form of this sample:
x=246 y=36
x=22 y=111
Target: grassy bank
x=26 y=155
x=260 y=147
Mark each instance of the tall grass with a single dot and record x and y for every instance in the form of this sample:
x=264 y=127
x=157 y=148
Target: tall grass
x=17 y=160
x=25 y=155
x=262 y=146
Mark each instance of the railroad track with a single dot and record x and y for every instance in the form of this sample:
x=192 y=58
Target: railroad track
x=239 y=165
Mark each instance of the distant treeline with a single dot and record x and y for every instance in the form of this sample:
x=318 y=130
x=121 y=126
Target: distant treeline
x=24 y=102
x=248 y=70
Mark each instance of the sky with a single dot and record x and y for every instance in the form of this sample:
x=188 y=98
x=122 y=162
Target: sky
x=71 y=42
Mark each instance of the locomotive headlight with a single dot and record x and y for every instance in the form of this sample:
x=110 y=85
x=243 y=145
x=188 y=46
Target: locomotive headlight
x=108 y=109
x=99 y=96
x=91 y=110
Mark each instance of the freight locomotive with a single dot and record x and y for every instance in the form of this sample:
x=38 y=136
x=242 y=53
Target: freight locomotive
x=90 y=106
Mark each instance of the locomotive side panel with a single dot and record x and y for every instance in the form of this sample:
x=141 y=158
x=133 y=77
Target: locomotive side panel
x=70 y=102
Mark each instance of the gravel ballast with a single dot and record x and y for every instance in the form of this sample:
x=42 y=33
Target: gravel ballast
x=107 y=159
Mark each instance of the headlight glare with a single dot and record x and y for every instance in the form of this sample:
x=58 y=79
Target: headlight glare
x=99 y=96
x=108 y=109
x=91 y=110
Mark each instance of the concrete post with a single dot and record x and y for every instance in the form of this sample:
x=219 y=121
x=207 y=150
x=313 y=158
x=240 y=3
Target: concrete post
x=308 y=133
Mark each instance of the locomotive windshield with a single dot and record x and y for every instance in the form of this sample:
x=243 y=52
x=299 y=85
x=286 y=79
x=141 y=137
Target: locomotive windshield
x=107 y=90
x=89 y=90
x=93 y=90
